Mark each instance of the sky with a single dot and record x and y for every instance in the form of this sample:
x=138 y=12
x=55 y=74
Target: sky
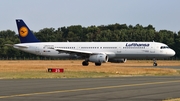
x=39 y=14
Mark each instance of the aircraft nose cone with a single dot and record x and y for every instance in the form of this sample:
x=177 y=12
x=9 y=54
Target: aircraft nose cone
x=172 y=52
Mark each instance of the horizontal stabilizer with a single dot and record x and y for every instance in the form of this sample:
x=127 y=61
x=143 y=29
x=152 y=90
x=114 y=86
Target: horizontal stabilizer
x=21 y=46
x=9 y=45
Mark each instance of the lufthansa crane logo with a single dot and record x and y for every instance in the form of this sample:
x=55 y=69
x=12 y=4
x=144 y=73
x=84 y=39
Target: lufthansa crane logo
x=23 y=31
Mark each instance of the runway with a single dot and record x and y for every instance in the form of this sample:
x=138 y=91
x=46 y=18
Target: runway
x=151 y=88
x=170 y=67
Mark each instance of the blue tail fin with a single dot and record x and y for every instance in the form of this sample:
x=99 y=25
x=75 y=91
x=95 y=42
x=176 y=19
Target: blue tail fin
x=25 y=34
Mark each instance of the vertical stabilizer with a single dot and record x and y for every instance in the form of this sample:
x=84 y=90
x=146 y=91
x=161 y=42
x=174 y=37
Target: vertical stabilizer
x=25 y=34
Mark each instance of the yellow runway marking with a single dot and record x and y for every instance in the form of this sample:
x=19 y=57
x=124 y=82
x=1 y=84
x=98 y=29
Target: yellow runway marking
x=88 y=89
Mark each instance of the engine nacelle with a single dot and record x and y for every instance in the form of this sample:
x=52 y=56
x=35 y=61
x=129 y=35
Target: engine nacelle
x=123 y=60
x=99 y=58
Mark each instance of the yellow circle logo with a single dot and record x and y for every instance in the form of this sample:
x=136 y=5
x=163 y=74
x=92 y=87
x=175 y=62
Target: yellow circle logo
x=23 y=31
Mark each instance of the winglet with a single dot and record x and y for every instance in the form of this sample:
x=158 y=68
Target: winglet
x=25 y=34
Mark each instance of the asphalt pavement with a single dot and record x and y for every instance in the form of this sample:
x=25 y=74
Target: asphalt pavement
x=142 y=88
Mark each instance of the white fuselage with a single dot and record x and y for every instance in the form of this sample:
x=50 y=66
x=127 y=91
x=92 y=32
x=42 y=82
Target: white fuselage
x=112 y=49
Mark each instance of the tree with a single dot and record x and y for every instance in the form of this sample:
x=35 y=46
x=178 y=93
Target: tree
x=103 y=33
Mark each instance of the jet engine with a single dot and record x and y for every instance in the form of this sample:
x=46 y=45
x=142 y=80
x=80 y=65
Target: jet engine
x=122 y=60
x=98 y=58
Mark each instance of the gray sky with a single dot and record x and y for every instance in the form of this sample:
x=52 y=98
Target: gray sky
x=39 y=14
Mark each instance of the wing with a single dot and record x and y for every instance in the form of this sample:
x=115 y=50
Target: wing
x=81 y=52
x=73 y=51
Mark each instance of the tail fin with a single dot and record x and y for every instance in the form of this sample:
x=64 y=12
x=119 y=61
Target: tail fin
x=25 y=34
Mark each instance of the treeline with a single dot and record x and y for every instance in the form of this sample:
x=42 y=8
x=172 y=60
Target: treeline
x=77 y=33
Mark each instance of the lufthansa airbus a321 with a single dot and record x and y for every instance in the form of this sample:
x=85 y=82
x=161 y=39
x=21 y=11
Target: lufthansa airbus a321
x=96 y=52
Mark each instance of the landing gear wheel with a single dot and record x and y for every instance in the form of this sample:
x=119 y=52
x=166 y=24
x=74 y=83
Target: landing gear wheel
x=154 y=64
x=85 y=63
x=98 y=64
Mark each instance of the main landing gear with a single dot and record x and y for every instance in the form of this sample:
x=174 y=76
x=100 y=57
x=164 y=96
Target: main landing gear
x=98 y=64
x=86 y=63
x=154 y=63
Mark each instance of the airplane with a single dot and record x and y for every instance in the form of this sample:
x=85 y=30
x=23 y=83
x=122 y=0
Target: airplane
x=95 y=52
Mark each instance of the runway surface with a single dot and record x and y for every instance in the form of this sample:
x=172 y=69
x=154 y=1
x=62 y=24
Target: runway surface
x=170 y=67
x=154 y=88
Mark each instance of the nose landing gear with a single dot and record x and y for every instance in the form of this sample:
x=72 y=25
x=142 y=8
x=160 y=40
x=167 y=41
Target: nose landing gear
x=154 y=63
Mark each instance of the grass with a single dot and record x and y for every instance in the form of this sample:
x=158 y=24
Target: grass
x=176 y=99
x=13 y=69
x=38 y=74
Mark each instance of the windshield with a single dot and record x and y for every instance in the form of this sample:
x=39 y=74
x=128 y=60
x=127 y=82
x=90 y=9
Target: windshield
x=164 y=47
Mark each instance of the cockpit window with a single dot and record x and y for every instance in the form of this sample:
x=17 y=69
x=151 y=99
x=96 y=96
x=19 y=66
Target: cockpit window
x=164 y=47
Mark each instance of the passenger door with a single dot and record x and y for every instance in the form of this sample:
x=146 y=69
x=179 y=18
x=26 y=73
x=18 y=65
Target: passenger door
x=152 y=50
